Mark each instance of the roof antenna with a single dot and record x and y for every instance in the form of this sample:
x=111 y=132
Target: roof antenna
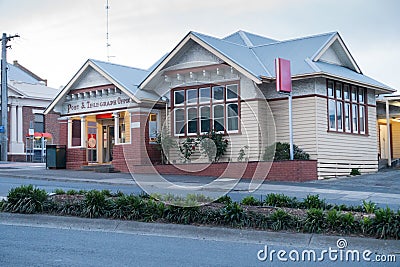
x=108 y=37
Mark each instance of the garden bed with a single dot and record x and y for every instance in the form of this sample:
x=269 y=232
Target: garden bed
x=277 y=212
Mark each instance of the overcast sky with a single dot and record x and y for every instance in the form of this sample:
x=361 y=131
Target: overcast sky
x=58 y=36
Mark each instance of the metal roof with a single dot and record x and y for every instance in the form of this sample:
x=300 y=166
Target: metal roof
x=248 y=51
x=128 y=77
x=16 y=74
x=248 y=39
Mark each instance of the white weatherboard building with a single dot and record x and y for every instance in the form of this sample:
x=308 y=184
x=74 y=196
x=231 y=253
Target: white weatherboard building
x=228 y=85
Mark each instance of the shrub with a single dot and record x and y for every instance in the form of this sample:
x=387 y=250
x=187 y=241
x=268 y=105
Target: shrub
x=225 y=199
x=25 y=199
x=365 y=225
x=280 y=200
x=182 y=215
x=369 y=207
x=72 y=192
x=347 y=223
x=315 y=221
x=281 y=220
x=95 y=204
x=233 y=213
x=355 y=171
x=187 y=148
x=250 y=201
x=282 y=152
x=152 y=210
x=213 y=150
x=242 y=153
x=313 y=201
x=127 y=207
x=333 y=219
x=382 y=223
x=257 y=220
x=59 y=191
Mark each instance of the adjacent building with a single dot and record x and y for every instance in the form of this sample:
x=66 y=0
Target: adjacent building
x=112 y=113
x=28 y=97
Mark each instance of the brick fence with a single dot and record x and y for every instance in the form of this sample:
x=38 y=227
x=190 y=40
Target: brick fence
x=297 y=170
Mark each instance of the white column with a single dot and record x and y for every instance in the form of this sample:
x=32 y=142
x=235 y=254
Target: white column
x=388 y=134
x=116 y=127
x=69 y=141
x=13 y=124
x=20 y=132
x=83 y=131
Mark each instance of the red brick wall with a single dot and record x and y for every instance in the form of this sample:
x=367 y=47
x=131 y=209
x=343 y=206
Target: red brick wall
x=76 y=157
x=51 y=125
x=297 y=170
x=63 y=130
x=119 y=162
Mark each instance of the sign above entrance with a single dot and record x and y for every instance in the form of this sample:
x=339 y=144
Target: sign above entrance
x=104 y=116
x=77 y=106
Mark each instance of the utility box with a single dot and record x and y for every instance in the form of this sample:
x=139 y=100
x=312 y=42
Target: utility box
x=56 y=156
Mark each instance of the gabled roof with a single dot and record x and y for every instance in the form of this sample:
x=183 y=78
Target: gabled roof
x=33 y=90
x=28 y=85
x=128 y=77
x=16 y=74
x=254 y=56
x=248 y=39
x=125 y=78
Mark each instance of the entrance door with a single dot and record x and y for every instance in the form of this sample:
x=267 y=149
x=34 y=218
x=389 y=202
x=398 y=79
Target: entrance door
x=383 y=141
x=108 y=142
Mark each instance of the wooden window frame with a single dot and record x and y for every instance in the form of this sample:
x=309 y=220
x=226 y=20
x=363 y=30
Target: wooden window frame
x=352 y=102
x=210 y=103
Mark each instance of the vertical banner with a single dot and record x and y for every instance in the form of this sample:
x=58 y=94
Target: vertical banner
x=283 y=75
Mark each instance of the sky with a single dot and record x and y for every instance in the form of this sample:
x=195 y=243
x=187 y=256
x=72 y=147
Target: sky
x=58 y=36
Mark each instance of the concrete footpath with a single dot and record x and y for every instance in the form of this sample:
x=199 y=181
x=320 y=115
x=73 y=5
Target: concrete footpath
x=310 y=241
x=382 y=188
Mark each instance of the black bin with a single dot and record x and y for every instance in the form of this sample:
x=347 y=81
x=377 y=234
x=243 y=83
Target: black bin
x=56 y=156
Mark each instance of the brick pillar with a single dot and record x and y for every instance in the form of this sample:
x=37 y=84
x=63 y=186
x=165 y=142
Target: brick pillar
x=137 y=151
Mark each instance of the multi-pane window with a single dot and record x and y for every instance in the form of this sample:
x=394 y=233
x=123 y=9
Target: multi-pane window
x=199 y=110
x=347 y=108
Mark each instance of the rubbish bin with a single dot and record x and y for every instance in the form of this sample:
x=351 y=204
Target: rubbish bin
x=56 y=156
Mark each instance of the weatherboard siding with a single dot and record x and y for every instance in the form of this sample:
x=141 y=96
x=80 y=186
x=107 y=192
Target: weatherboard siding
x=338 y=153
x=304 y=118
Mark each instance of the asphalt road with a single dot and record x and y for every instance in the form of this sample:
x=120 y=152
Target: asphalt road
x=37 y=241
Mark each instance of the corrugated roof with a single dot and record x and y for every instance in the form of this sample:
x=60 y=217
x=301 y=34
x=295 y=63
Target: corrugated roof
x=241 y=55
x=34 y=90
x=296 y=50
x=256 y=54
x=16 y=74
x=242 y=38
x=128 y=77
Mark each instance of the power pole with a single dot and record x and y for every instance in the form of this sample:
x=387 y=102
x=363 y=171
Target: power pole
x=4 y=97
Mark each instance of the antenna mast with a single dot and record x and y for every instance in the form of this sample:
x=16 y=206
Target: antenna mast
x=108 y=39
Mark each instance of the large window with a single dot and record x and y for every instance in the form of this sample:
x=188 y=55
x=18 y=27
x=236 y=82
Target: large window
x=347 y=108
x=201 y=109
